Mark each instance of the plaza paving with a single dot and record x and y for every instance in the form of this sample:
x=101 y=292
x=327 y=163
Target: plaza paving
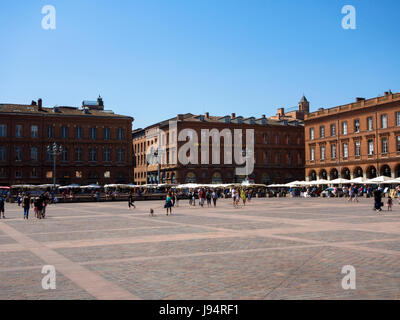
x=271 y=249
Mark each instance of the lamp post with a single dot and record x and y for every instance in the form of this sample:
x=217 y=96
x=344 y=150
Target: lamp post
x=54 y=150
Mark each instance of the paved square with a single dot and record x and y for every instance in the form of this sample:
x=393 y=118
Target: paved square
x=278 y=248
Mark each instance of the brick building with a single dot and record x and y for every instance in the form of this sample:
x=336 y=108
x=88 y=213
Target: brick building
x=360 y=139
x=278 y=150
x=97 y=144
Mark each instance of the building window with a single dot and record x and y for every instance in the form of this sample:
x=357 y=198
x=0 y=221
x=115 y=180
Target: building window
x=120 y=133
x=3 y=154
x=34 y=131
x=34 y=173
x=398 y=118
x=107 y=134
x=384 y=121
x=333 y=130
x=50 y=132
x=78 y=154
x=311 y=133
x=93 y=133
x=344 y=127
x=370 y=147
x=322 y=132
x=107 y=174
x=64 y=154
x=370 y=124
x=34 y=154
x=78 y=174
x=398 y=143
x=289 y=159
x=121 y=155
x=356 y=126
x=18 y=131
x=107 y=155
x=333 y=151
x=287 y=139
x=18 y=174
x=18 y=154
x=357 y=148
x=277 y=158
x=3 y=130
x=384 y=145
x=277 y=139
x=322 y=149
x=92 y=155
x=78 y=132
x=345 y=150
x=2 y=173
x=49 y=155
x=64 y=132
x=312 y=154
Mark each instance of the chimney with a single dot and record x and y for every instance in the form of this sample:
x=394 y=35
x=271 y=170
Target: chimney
x=281 y=111
x=180 y=117
x=233 y=115
x=359 y=99
x=207 y=115
x=263 y=116
x=33 y=103
x=40 y=105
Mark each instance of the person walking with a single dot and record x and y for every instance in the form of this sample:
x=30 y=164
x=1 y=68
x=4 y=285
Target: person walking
x=39 y=207
x=378 y=199
x=389 y=203
x=26 y=204
x=2 y=206
x=243 y=196
x=131 y=201
x=168 y=203
x=208 y=197
x=214 y=196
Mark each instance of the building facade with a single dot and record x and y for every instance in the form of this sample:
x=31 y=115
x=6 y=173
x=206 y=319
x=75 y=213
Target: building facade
x=97 y=144
x=360 y=139
x=278 y=150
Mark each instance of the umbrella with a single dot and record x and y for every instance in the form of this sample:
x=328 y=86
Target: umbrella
x=377 y=180
x=359 y=180
x=339 y=181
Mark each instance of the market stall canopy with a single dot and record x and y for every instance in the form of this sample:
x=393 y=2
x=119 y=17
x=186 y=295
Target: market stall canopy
x=359 y=180
x=7 y=188
x=91 y=186
x=71 y=186
x=23 y=186
x=339 y=181
x=377 y=180
x=319 y=182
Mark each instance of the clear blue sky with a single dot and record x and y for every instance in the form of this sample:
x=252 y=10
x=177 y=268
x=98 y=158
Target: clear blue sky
x=154 y=59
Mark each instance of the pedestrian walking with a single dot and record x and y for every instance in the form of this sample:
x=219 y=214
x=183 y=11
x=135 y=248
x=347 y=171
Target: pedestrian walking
x=389 y=203
x=2 y=206
x=26 y=204
x=168 y=203
x=131 y=201
x=214 y=196
x=378 y=200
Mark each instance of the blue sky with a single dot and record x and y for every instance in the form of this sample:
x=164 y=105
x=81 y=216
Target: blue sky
x=154 y=59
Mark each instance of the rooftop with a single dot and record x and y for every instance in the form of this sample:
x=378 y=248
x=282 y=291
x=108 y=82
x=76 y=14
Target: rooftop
x=361 y=103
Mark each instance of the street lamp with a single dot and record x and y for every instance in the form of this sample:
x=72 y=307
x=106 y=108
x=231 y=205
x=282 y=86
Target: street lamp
x=156 y=153
x=54 y=150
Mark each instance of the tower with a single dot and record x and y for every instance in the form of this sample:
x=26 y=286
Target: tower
x=304 y=105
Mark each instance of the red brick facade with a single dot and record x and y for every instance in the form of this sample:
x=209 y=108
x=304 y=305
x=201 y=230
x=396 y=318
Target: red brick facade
x=357 y=139
x=279 y=151
x=98 y=145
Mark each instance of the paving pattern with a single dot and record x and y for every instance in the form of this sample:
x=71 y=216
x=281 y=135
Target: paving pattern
x=280 y=248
